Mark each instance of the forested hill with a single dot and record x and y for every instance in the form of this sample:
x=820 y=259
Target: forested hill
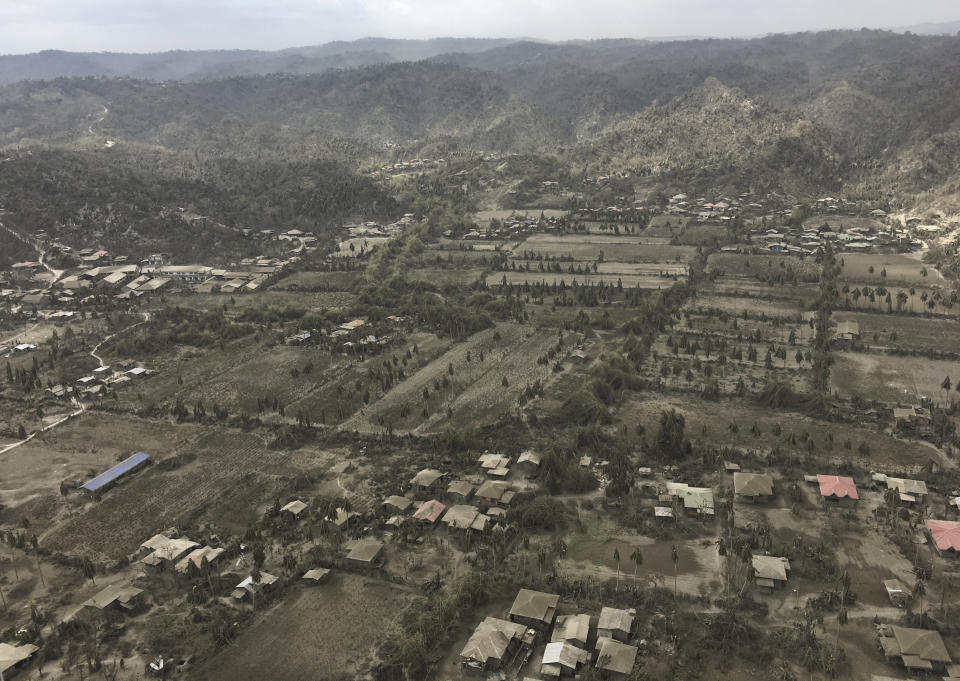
x=870 y=111
x=213 y=64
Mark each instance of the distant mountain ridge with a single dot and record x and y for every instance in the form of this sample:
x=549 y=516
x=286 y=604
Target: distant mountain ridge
x=183 y=65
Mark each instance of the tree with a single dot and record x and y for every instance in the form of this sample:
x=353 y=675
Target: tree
x=637 y=558
x=670 y=442
x=616 y=557
x=675 y=557
x=920 y=588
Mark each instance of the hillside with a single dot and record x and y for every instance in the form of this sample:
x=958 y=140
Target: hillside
x=804 y=112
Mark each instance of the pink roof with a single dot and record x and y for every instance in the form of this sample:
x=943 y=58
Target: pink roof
x=430 y=511
x=946 y=534
x=100 y=254
x=837 y=486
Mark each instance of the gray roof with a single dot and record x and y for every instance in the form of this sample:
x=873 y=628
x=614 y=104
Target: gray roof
x=615 y=656
x=615 y=619
x=491 y=639
x=753 y=484
x=535 y=605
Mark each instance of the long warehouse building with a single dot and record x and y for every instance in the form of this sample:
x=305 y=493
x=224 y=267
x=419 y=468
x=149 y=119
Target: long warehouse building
x=108 y=478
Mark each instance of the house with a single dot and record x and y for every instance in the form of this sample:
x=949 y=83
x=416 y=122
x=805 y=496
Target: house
x=116 y=597
x=501 y=473
x=352 y=325
x=896 y=592
x=770 y=571
x=491 y=462
x=615 y=623
x=14 y=658
x=910 y=491
x=495 y=492
x=730 y=467
x=426 y=480
x=846 y=335
x=293 y=510
x=317 y=576
x=615 y=659
x=534 y=609
x=397 y=503
x=366 y=553
x=562 y=658
x=460 y=517
x=573 y=629
x=916 y=649
x=461 y=490
x=837 y=489
x=493 y=644
x=110 y=477
x=161 y=550
x=342 y=520
x=251 y=587
x=197 y=559
x=696 y=499
x=946 y=537
x=429 y=512
x=753 y=487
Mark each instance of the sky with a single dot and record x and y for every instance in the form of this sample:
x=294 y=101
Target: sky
x=158 y=25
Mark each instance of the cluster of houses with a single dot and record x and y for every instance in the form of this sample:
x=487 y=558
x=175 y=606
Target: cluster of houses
x=515 y=225
x=575 y=640
x=95 y=385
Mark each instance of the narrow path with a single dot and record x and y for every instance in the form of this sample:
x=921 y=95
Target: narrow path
x=103 y=115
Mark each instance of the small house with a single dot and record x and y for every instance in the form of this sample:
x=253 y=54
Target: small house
x=495 y=492
x=317 y=576
x=251 y=587
x=615 y=659
x=562 y=658
x=770 y=572
x=753 y=487
x=365 y=553
x=573 y=629
x=460 y=490
x=534 y=609
x=896 y=592
x=615 y=623
x=117 y=597
x=916 y=649
x=460 y=517
x=14 y=658
x=397 y=503
x=492 y=645
x=429 y=512
x=196 y=560
x=946 y=537
x=838 y=489
x=426 y=480
x=293 y=510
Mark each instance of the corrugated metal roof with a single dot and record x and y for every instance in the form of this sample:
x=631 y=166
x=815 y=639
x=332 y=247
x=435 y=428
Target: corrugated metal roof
x=116 y=472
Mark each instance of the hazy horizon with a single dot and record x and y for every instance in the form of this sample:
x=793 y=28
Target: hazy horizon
x=166 y=25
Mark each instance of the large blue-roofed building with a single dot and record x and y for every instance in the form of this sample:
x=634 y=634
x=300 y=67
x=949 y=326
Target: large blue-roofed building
x=108 y=478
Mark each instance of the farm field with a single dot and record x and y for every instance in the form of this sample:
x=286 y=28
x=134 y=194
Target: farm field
x=309 y=300
x=457 y=277
x=649 y=281
x=907 y=333
x=708 y=422
x=890 y=378
x=475 y=388
x=594 y=246
x=735 y=305
x=318 y=281
x=916 y=300
x=763 y=267
x=905 y=269
x=328 y=632
x=223 y=478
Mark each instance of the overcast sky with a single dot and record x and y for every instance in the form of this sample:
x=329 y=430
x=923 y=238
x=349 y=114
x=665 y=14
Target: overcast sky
x=155 y=25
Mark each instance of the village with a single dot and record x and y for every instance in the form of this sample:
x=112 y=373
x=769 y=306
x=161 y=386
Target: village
x=295 y=445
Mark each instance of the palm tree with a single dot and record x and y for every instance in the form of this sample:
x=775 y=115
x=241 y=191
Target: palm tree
x=675 y=557
x=637 y=558
x=616 y=557
x=919 y=588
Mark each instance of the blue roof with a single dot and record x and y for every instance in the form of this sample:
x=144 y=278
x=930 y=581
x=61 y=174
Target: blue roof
x=116 y=472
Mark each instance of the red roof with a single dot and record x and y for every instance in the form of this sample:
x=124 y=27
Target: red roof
x=837 y=486
x=946 y=534
x=430 y=511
